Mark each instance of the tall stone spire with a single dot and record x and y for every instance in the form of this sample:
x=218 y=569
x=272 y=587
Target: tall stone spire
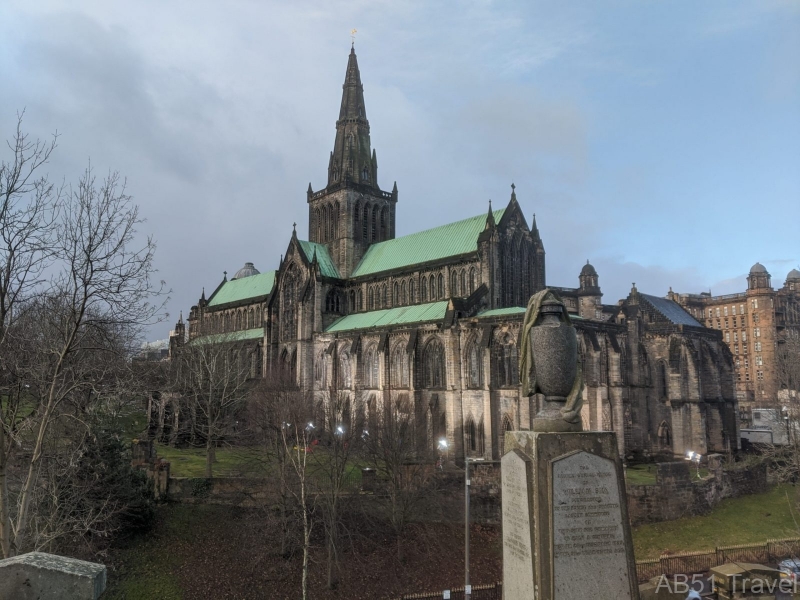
x=352 y=158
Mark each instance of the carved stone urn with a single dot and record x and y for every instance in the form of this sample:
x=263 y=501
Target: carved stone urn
x=554 y=346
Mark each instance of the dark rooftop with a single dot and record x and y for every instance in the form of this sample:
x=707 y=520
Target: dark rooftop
x=671 y=310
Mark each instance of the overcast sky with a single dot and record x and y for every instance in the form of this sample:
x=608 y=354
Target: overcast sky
x=659 y=140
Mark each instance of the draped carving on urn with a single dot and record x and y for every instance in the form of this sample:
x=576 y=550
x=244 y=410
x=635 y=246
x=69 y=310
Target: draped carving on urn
x=549 y=363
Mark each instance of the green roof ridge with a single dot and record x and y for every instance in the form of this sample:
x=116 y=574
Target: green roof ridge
x=401 y=315
x=233 y=336
x=245 y=288
x=496 y=312
x=451 y=239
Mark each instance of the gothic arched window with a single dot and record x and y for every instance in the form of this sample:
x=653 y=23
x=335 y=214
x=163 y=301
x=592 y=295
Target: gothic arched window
x=395 y=294
x=371 y=368
x=432 y=286
x=374 y=225
x=353 y=307
x=365 y=224
x=335 y=221
x=471 y=434
x=383 y=224
x=333 y=302
x=474 y=365
x=399 y=366
x=411 y=291
x=320 y=370
x=434 y=374
x=423 y=290
x=454 y=283
x=370 y=299
x=345 y=379
x=318 y=223
x=472 y=280
x=506 y=365
x=440 y=286
x=357 y=219
x=360 y=300
x=384 y=304
x=463 y=282
x=403 y=294
x=663 y=380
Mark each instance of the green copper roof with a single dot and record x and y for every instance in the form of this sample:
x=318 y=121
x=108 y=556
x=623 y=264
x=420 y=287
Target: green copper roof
x=499 y=312
x=244 y=288
x=452 y=239
x=233 y=336
x=403 y=315
x=326 y=266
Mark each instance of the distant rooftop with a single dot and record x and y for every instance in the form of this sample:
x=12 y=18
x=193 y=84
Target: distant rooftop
x=671 y=310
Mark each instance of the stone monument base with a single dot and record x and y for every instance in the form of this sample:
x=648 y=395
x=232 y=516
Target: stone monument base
x=565 y=519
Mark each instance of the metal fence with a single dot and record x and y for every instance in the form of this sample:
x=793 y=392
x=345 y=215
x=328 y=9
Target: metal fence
x=669 y=564
x=492 y=591
x=699 y=562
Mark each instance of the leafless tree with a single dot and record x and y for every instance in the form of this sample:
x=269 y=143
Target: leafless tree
x=342 y=418
x=788 y=360
x=213 y=377
x=407 y=480
x=75 y=291
x=28 y=208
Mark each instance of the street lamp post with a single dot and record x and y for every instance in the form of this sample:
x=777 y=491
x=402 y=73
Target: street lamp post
x=467 y=483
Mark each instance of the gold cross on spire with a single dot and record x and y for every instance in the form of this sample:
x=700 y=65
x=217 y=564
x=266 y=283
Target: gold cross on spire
x=353 y=33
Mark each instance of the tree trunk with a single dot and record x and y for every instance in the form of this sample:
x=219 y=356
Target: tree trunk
x=5 y=522
x=210 y=456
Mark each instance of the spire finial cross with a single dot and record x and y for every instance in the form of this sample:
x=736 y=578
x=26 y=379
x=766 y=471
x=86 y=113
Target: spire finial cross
x=513 y=187
x=294 y=226
x=353 y=33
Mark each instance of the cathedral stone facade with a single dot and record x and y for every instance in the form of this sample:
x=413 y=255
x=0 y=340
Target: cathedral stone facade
x=430 y=322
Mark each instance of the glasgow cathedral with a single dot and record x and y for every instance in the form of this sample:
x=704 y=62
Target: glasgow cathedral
x=431 y=321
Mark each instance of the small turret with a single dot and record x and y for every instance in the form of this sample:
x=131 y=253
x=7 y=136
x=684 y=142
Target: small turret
x=589 y=294
x=758 y=278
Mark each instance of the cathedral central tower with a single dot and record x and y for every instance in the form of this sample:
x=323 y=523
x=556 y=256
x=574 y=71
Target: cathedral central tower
x=351 y=212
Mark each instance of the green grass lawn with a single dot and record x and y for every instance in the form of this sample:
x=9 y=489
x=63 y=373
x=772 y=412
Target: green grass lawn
x=231 y=462
x=747 y=520
x=241 y=462
x=641 y=474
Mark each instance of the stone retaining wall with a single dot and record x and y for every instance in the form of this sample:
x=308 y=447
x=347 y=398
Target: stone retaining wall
x=676 y=493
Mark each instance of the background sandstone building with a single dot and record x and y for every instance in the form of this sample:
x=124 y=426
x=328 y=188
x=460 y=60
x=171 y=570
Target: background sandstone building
x=430 y=322
x=761 y=327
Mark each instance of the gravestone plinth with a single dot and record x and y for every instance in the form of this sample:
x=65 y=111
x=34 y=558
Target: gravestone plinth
x=42 y=576
x=570 y=488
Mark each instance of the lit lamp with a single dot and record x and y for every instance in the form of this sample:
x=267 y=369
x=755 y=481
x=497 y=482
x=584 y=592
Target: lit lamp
x=443 y=448
x=694 y=457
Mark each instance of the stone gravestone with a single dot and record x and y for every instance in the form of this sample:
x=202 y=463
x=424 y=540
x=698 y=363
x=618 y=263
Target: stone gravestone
x=566 y=533
x=588 y=529
x=42 y=576
x=517 y=490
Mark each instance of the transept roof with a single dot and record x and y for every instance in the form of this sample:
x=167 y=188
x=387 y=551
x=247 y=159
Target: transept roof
x=438 y=243
x=326 y=266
